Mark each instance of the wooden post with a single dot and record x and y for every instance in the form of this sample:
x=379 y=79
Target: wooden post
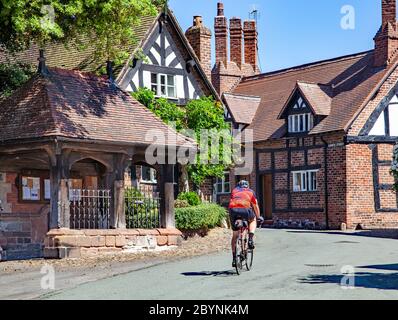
x=59 y=203
x=120 y=212
x=167 y=197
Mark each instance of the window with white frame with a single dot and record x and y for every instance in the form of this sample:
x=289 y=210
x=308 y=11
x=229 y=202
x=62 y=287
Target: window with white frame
x=305 y=181
x=148 y=175
x=298 y=123
x=223 y=185
x=163 y=85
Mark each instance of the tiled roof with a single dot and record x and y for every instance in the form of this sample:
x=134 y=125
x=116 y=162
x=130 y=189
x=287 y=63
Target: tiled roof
x=69 y=57
x=78 y=105
x=350 y=78
x=243 y=108
x=318 y=96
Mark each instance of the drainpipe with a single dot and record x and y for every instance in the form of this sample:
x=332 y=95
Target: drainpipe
x=325 y=160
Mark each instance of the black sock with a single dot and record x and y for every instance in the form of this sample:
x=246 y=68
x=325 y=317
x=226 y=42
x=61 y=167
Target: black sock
x=251 y=235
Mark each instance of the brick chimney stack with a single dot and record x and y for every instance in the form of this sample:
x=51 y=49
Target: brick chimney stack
x=221 y=35
x=389 y=11
x=236 y=37
x=386 y=40
x=251 y=44
x=199 y=36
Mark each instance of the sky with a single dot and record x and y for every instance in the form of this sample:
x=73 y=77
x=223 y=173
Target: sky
x=295 y=32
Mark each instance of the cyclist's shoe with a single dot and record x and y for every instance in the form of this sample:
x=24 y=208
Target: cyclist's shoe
x=251 y=244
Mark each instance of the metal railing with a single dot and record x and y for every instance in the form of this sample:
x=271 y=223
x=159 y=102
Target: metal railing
x=89 y=209
x=142 y=209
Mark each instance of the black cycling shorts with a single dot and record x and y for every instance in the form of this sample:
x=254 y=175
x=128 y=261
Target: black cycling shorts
x=240 y=213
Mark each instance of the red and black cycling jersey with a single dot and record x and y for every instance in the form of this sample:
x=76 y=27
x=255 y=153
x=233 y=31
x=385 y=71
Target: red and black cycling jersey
x=242 y=198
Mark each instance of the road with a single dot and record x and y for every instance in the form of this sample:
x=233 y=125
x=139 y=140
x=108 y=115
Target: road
x=288 y=265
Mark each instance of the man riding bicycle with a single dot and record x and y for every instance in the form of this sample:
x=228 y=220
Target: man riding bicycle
x=243 y=205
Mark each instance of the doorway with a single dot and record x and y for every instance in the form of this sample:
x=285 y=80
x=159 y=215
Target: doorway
x=267 y=196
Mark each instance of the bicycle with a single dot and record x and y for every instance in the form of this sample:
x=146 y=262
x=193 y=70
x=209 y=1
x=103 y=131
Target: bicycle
x=243 y=255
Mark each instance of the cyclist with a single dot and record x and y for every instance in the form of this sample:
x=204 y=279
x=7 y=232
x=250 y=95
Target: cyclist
x=243 y=205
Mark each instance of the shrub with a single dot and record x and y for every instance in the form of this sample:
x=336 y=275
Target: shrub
x=205 y=216
x=181 y=204
x=192 y=198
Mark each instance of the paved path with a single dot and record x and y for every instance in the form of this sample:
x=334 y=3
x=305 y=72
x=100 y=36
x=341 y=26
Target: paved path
x=288 y=265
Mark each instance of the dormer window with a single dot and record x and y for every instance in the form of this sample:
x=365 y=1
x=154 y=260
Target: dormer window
x=302 y=122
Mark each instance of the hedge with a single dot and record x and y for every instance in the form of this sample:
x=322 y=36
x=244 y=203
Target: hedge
x=202 y=217
x=191 y=197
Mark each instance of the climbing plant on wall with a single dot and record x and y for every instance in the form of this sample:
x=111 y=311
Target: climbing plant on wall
x=199 y=116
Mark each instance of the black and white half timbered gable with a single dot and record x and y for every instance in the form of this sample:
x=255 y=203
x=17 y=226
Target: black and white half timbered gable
x=383 y=122
x=170 y=68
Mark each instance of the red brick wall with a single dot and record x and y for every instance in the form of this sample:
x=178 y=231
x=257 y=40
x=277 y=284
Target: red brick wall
x=23 y=226
x=360 y=188
x=306 y=200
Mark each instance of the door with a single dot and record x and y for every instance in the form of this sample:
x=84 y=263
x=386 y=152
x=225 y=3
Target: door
x=267 y=197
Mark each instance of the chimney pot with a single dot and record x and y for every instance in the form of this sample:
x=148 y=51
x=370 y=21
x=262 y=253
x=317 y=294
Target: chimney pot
x=197 y=21
x=220 y=9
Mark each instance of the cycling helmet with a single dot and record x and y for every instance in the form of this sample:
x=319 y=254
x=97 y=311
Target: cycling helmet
x=243 y=184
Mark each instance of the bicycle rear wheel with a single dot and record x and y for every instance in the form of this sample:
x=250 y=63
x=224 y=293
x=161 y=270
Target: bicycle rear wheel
x=239 y=256
x=249 y=259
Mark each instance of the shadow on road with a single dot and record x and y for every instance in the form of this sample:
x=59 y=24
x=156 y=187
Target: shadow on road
x=382 y=233
x=389 y=267
x=381 y=281
x=209 y=274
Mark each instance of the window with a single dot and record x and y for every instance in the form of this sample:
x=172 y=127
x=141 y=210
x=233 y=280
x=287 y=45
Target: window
x=223 y=185
x=163 y=85
x=300 y=122
x=148 y=175
x=35 y=188
x=305 y=181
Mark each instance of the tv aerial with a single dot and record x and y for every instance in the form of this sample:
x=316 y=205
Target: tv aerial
x=254 y=13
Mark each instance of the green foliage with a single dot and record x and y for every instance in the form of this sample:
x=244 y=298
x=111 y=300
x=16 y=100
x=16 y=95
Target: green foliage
x=205 y=216
x=198 y=116
x=192 y=198
x=181 y=204
x=394 y=167
x=207 y=114
x=13 y=76
x=107 y=25
x=165 y=110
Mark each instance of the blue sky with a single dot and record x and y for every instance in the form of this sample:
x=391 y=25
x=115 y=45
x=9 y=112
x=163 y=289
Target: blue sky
x=294 y=32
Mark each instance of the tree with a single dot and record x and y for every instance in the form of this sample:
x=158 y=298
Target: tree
x=13 y=76
x=205 y=119
x=394 y=168
x=107 y=25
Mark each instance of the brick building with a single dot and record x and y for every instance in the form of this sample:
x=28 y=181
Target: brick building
x=323 y=132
